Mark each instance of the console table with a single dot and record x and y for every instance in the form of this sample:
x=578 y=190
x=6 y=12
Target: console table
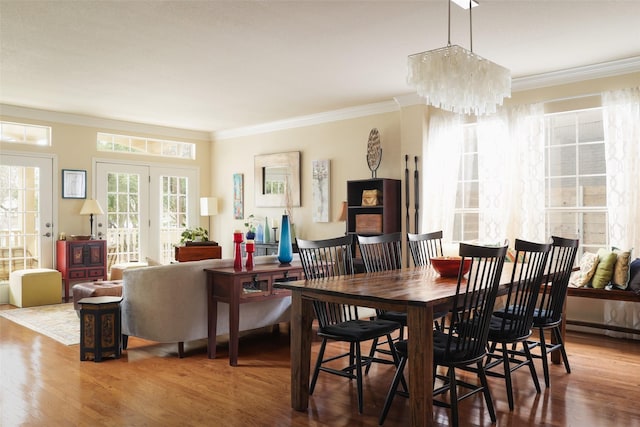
x=239 y=287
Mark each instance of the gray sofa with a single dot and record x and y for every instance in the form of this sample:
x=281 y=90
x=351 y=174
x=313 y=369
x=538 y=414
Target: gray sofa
x=168 y=303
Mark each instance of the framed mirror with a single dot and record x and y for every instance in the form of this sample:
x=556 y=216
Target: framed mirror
x=276 y=179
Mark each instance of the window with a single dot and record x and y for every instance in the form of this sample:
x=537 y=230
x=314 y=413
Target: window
x=151 y=147
x=575 y=177
x=467 y=213
x=20 y=133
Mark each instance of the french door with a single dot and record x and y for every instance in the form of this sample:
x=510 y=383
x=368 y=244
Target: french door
x=27 y=214
x=146 y=209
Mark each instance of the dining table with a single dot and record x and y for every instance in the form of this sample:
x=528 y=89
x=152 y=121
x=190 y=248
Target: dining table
x=418 y=291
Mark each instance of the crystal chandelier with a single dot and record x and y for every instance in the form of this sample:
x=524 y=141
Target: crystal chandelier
x=456 y=79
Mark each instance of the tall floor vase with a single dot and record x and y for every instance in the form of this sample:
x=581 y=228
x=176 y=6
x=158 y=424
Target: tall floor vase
x=285 y=249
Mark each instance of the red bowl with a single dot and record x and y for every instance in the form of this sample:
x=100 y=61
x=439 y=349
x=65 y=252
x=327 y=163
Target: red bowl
x=448 y=266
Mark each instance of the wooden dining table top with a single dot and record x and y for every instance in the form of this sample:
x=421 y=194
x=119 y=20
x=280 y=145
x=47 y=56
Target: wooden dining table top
x=389 y=289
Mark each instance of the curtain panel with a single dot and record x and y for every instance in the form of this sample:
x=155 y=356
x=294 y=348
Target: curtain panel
x=621 y=114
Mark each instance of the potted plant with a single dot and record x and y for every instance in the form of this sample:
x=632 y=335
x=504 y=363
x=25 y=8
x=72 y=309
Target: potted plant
x=191 y=235
x=250 y=225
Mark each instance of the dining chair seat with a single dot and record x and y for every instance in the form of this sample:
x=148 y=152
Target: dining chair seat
x=395 y=316
x=358 y=330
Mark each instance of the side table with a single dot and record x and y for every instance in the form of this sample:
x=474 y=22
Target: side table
x=239 y=287
x=100 y=328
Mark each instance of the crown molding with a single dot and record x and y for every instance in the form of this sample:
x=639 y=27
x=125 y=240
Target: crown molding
x=309 y=120
x=101 y=123
x=537 y=81
x=571 y=75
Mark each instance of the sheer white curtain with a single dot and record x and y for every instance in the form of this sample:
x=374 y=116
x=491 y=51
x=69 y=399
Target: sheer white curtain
x=441 y=161
x=621 y=113
x=511 y=173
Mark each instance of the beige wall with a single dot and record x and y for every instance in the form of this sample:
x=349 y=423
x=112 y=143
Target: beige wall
x=343 y=142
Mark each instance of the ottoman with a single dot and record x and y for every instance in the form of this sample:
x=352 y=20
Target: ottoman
x=117 y=269
x=36 y=286
x=100 y=288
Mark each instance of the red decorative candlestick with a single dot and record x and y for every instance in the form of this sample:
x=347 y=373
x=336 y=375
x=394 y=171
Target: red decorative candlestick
x=249 y=247
x=237 y=259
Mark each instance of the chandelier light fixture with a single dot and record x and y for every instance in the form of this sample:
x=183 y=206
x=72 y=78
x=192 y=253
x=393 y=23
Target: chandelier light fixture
x=455 y=79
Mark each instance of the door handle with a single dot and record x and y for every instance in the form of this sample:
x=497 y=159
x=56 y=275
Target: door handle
x=47 y=234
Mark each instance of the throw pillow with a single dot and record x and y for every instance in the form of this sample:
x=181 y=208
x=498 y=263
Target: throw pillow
x=151 y=262
x=621 y=268
x=604 y=270
x=634 y=274
x=588 y=265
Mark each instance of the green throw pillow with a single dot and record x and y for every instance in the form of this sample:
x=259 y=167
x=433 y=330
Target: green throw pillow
x=604 y=271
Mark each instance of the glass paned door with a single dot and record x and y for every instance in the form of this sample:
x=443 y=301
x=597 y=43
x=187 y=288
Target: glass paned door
x=123 y=191
x=176 y=207
x=26 y=213
x=147 y=208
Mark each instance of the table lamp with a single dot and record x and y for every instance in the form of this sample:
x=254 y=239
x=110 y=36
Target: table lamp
x=91 y=207
x=209 y=207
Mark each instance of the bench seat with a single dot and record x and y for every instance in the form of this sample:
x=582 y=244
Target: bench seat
x=604 y=295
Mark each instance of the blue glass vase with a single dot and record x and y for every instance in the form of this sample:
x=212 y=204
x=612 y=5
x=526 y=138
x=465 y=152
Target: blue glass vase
x=285 y=249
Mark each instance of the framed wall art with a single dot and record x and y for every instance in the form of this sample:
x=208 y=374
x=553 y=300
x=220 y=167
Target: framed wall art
x=320 y=185
x=74 y=184
x=238 y=196
x=277 y=179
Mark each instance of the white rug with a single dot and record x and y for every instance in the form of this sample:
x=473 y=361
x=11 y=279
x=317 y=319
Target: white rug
x=57 y=321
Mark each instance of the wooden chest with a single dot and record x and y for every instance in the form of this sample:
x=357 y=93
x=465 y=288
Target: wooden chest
x=369 y=223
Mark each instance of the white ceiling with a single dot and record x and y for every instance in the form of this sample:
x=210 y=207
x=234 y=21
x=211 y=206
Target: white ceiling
x=216 y=65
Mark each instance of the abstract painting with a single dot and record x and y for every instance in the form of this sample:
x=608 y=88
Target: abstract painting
x=320 y=185
x=238 y=196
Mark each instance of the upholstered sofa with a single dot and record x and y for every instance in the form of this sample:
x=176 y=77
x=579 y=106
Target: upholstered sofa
x=168 y=303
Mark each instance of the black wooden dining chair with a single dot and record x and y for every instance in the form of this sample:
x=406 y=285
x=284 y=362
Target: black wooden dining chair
x=323 y=259
x=512 y=325
x=382 y=253
x=425 y=246
x=463 y=342
x=548 y=312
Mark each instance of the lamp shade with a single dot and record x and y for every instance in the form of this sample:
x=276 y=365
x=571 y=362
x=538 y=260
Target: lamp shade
x=208 y=206
x=343 y=212
x=91 y=207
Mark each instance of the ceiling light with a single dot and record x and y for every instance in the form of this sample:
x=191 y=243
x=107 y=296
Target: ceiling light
x=456 y=79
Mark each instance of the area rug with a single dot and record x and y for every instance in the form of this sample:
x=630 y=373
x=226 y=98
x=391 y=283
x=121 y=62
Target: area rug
x=57 y=321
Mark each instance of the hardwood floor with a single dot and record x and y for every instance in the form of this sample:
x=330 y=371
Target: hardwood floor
x=43 y=382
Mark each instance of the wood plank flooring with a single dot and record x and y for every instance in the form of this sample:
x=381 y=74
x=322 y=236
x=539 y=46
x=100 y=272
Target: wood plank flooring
x=44 y=383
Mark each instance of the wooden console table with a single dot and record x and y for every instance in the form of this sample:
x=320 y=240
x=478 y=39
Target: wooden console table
x=239 y=287
x=197 y=253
